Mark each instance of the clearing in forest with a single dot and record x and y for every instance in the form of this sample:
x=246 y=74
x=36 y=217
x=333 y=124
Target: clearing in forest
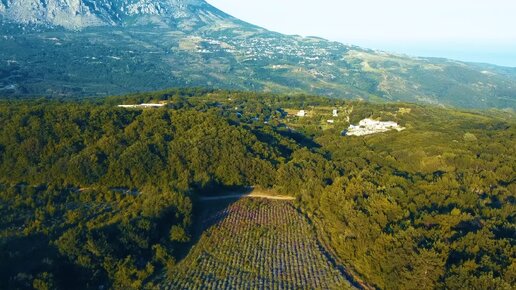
x=258 y=244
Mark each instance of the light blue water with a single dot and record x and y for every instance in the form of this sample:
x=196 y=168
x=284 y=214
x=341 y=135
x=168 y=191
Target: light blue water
x=498 y=54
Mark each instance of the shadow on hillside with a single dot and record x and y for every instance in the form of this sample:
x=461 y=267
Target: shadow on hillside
x=219 y=190
x=208 y=213
x=24 y=258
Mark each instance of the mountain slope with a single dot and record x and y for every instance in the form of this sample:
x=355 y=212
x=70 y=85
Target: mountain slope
x=239 y=252
x=430 y=207
x=88 y=47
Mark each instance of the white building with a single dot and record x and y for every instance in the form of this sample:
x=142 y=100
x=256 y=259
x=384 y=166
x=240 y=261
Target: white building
x=330 y=121
x=141 y=106
x=335 y=113
x=369 y=126
x=301 y=113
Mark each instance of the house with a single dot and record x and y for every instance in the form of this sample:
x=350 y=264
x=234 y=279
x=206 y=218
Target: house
x=335 y=113
x=152 y=105
x=144 y=106
x=301 y=113
x=330 y=121
x=369 y=126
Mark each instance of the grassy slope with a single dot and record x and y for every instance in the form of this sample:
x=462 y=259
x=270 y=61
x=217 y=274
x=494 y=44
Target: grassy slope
x=257 y=243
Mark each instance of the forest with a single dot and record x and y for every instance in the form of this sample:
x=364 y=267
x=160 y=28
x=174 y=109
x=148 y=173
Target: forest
x=92 y=195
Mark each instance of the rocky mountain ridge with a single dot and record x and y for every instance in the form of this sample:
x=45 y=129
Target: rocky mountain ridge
x=80 y=14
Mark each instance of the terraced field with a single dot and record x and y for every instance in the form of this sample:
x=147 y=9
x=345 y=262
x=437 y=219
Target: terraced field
x=258 y=244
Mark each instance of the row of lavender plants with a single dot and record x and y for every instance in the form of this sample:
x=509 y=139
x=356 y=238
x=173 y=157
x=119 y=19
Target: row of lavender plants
x=258 y=244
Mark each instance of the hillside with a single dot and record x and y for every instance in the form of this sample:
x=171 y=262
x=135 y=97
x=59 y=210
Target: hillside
x=94 y=195
x=257 y=244
x=103 y=47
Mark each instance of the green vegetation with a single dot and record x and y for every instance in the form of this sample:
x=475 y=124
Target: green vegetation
x=94 y=195
x=107 y=190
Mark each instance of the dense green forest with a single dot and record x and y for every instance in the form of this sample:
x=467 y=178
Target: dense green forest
x=94 y=195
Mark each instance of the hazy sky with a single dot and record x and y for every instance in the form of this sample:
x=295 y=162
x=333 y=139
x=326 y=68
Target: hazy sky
x=472 y=30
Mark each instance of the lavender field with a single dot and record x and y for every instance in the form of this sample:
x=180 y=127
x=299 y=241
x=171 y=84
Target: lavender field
x=258 y=244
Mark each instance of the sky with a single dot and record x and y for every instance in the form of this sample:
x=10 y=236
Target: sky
x=469 y=30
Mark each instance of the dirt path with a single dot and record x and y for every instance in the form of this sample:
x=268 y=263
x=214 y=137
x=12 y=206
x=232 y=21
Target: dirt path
x=253 y=194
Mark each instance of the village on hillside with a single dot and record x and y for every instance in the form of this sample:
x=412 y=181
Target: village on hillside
x=324 y=117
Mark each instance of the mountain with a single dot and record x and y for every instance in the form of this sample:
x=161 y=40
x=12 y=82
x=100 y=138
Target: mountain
x=80 y=14
x=103 y=47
